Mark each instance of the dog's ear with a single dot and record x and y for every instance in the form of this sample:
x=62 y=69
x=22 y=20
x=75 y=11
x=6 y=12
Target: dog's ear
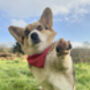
x=17 y=33
x=47 y=18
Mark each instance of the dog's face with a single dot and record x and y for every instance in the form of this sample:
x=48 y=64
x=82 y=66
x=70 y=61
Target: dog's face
x=36 y=37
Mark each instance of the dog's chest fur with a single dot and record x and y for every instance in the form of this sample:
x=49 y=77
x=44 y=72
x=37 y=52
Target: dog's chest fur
x=50 y=77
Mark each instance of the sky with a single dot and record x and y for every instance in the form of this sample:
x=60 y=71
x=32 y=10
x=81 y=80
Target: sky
x=71 y=18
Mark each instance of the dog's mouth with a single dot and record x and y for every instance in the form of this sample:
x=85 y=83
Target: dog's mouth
x=35 y=38
x=35 y=41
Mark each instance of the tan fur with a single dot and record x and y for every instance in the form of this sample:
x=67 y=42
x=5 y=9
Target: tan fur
x=57 y=73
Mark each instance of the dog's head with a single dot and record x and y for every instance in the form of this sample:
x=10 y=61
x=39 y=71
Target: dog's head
x=36 y=37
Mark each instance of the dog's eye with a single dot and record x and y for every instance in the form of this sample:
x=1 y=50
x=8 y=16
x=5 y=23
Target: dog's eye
x=39 y=27
x=27 y=32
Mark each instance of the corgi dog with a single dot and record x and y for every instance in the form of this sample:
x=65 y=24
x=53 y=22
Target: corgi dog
x=50 y=62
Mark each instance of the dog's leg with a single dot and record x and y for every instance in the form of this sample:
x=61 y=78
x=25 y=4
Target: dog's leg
x=63 y=54
x=62 y=62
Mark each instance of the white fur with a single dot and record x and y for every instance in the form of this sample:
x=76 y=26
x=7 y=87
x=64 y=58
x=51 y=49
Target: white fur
x=42 y=37
x=60 y=82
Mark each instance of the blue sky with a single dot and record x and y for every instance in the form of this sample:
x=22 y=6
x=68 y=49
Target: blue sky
x=71 y=17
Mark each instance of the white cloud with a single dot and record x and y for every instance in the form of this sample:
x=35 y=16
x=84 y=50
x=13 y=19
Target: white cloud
x=29 y=8
x=20 y=23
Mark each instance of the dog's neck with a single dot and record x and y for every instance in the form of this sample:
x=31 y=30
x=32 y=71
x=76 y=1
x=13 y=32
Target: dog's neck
x=38 y=60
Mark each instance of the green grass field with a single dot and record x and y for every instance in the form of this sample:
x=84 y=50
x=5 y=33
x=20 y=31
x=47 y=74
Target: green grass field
x=15 y=75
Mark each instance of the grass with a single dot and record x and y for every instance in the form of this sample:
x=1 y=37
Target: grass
x=15 y=75
x=82 y=76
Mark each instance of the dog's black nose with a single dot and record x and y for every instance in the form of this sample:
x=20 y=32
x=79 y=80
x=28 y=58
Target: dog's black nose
x=35 y=38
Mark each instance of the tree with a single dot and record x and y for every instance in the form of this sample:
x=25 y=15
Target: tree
x=17 y=48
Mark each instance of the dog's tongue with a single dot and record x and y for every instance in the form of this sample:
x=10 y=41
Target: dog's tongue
x=38 y=60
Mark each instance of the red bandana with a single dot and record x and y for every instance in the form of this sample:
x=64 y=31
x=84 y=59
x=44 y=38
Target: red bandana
x=38 y=60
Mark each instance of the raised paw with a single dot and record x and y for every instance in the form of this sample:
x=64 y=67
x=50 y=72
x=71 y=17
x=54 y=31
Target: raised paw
x=63 y=47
